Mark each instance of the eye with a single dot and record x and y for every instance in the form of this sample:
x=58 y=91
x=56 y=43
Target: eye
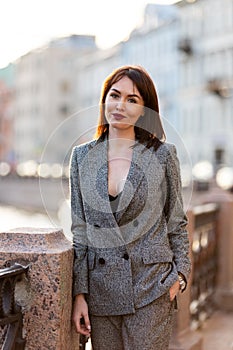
x=132 y=100
x=114 y=95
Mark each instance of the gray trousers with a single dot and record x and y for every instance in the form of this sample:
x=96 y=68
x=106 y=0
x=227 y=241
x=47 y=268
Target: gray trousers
x=149 y=328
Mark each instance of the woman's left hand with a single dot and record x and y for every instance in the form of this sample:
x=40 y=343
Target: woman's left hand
x=174 y=290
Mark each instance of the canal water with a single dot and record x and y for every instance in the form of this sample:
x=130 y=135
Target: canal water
x=12 y=217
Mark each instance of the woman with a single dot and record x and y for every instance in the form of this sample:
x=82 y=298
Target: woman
x=128 y=223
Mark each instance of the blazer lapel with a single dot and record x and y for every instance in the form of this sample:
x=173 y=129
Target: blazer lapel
x=139 y=164
x=98 y=163
x=98 y=172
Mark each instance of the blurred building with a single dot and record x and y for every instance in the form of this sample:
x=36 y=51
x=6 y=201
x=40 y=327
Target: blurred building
x=45 y=82
x=6 y=121
x=188 y=50
x=205 y=94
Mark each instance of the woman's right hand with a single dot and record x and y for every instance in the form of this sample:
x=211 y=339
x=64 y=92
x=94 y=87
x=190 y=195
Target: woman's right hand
x=80 y=311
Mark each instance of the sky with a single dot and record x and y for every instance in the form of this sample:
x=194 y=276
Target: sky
x=29 y=24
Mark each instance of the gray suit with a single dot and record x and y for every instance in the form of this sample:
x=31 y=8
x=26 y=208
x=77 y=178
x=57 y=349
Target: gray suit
x=126 y=261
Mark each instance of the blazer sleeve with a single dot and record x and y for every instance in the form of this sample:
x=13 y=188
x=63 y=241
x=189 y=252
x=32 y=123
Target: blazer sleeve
x=78 y=228
x=175 y=215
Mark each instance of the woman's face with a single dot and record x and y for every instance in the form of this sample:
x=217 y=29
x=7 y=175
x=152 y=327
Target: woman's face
x=123 y=104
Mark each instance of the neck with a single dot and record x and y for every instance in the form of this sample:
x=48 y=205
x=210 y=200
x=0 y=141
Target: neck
x=121 y=135
x=120 y=140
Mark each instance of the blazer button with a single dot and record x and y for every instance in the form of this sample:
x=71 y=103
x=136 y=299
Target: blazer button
x=126 y=256
x=135 y=223
x=101 y=261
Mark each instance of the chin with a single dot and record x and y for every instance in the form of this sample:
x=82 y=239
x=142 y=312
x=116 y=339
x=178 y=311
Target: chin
x=121 y=126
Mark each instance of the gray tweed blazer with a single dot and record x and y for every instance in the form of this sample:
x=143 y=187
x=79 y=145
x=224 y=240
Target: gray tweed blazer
x=127 y=260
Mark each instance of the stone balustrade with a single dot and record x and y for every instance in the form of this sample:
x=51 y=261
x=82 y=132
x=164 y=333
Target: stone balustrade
x=211 y=282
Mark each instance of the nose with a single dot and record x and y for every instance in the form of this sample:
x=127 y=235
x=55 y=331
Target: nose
x=120 y=105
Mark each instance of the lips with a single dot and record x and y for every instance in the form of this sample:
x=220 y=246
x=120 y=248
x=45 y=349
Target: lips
x=118 y=116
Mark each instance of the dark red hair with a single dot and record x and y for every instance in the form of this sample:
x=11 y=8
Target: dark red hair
x=148 y=129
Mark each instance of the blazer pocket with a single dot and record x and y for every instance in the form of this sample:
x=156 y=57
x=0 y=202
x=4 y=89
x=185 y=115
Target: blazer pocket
x=161 y=267
x=157 y=254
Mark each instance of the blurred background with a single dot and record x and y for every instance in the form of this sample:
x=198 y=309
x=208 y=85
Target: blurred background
x=54 y=58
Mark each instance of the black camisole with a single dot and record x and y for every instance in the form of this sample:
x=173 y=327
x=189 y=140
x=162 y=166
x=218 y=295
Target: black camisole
x=114 y=201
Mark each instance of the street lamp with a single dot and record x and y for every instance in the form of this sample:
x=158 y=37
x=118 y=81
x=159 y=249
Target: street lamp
x=224 y=178
x=203 y=172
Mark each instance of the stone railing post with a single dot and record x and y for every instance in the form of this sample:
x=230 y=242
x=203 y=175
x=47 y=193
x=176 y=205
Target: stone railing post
x=45 y=293
x=224 y=292
x=183 y=337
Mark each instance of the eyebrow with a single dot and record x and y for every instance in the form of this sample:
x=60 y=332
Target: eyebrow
x=130 y=95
